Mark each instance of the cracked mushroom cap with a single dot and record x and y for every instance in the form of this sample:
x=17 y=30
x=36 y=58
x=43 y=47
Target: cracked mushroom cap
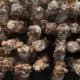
x=41 y=64
x=6 y=64
x=22 y=70
x=15 y=25
x=60 y=69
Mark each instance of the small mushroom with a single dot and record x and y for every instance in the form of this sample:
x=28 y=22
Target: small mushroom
x=39 y=45
x=75 y=28
x=73 y=46
x=26 y=53
x=60 y=49
x=76 y=66
x=63 y=31
x=34 y=33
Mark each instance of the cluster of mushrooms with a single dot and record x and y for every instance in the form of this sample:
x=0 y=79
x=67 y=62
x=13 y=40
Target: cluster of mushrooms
x=37 y=35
